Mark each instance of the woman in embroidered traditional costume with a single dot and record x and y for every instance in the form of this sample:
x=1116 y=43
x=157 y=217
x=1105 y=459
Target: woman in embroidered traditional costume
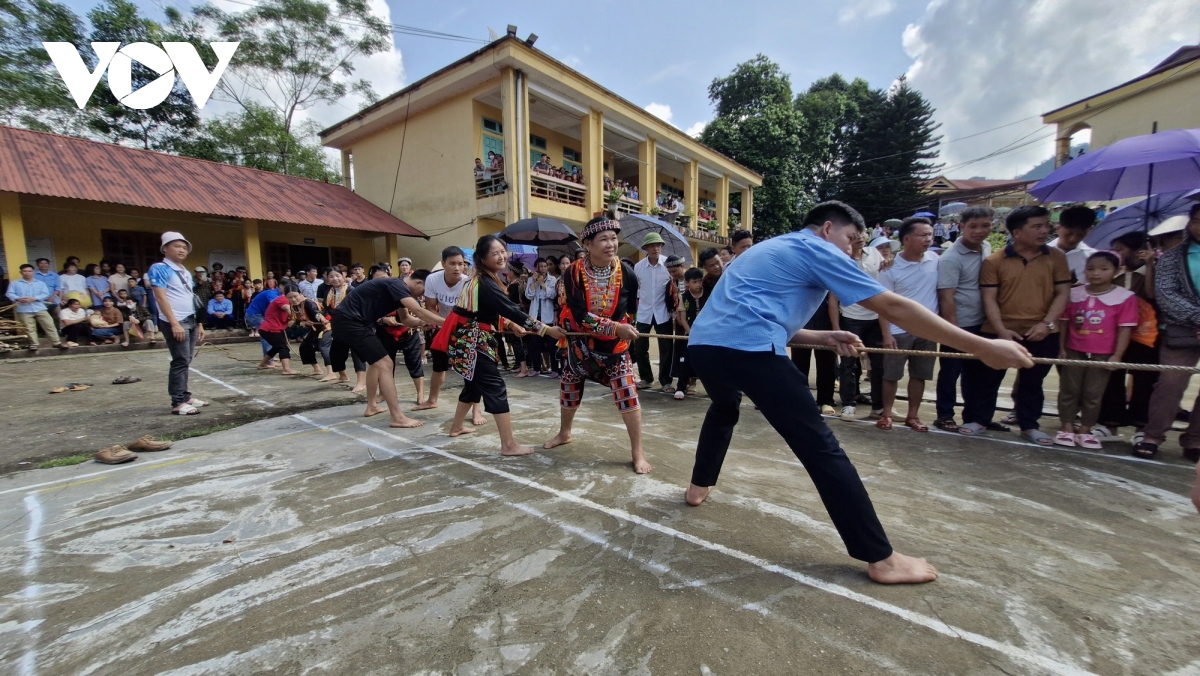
x=597 y=293
x=468 y=336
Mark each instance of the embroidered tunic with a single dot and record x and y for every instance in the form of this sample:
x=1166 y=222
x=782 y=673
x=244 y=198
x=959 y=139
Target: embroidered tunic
x=479 y=313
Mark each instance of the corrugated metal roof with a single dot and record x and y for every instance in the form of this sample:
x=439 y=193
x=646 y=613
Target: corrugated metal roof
x=36 y=163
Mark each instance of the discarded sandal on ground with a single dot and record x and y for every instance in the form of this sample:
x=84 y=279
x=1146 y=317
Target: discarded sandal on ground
x=58 y=390
x=916 y=425
x=78 y=387
x=115 y=455
x=148 y=444
x=884 y=423
x=125 y=380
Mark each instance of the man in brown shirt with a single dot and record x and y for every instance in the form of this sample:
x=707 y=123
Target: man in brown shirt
x=1025 y=287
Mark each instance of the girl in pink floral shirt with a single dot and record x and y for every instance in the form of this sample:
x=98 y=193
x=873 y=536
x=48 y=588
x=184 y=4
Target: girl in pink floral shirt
x=1098 y=322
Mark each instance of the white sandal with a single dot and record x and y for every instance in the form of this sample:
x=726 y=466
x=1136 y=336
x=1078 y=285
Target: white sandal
x=196 y=402
x=185 y=409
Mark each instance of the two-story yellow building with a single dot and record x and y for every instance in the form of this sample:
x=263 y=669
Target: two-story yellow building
x=414 y=154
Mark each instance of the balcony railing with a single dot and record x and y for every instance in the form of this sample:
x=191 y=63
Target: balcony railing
x=628 y=205
x=487 y=187
x=558 y=190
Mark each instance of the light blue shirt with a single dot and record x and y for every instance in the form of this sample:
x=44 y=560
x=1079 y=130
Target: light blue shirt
x=225 y=306
x=23 y=289
x=178 y=284
x=760 y=303
x=50 y=279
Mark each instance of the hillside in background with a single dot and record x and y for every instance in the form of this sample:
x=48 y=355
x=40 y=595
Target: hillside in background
x=1043 y=169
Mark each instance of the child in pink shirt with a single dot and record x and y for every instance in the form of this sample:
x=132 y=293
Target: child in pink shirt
x=1098 y=320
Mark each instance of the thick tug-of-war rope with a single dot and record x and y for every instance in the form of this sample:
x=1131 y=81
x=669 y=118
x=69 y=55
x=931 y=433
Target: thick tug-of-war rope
x=1111 y=366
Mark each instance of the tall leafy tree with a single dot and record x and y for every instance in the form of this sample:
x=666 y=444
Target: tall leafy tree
x=256 y=137
x=892 y=155
x=293 y=55
x=833 y=111
x=757 y=125
x=32 y=93
x=162 y=127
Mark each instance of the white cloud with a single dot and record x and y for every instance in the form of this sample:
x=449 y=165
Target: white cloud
x=862 y=10
x=983 y=65
x=696 y=128
x=660 y=110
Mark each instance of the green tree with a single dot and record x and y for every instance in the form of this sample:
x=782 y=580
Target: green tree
x=758 y=126
x=256 y=137
x=162 y=127
x=833 y=111
x=293 y=55
x=32 y=93
x=892 y=155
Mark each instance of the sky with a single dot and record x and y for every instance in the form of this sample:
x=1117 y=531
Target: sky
x=990 y=66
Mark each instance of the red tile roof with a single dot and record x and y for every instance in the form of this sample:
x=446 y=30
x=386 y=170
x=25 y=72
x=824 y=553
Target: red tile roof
x=35 y=163
x=977 y=183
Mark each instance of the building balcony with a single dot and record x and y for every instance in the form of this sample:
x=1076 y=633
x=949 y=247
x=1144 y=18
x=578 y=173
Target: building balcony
x=490 y=187
x=558 y=190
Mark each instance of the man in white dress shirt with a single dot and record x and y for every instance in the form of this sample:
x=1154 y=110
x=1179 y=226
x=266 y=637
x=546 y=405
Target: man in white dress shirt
x=652 y=312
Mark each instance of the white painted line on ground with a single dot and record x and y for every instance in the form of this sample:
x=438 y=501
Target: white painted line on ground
x=931 y=623
x=33 y=552
x=231 y=387
x=69 y=479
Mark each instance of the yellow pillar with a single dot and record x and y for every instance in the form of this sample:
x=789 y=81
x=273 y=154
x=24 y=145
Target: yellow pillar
x=512 y=164
x=12 y=231
x=1062 y=151
x=723 y=205
x=747 y=216
x=393 y=248
x=253 y=245
x=592 y=129
x=648 y=173
x=346 y=169
x=691 y=190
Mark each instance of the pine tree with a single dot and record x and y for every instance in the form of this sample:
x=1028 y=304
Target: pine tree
x=892 y=155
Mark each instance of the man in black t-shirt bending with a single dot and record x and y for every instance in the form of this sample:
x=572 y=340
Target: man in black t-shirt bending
x=354 y=324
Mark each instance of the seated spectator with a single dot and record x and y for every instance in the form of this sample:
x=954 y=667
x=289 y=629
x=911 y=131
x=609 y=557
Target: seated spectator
x=74 y=319
x=109 y=323
x=220 y=311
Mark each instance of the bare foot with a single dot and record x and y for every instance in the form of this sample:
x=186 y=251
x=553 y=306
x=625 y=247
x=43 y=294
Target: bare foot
x=479 y=420
x=901 y=569
x=461 y=431
x=640 y=466
x=425 y=405
x=329 y=378
x=261 y=367
x=696 y=494
x=562 y=439
x=289 y=373
x=405 y=423
x=373 y=410
x=518 y=450
x=358 y=389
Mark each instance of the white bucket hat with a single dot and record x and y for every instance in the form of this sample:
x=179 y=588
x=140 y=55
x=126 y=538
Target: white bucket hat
x=1172 y=224
x=168 y=237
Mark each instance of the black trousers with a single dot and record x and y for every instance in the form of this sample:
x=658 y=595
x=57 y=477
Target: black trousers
x=312 y=345
x=641 y=352
x=1114 y=409
x=826 y=371
x=949 y=371
x=518 y=348
x=339 y=351
x=776 y=386
x=850 y=368
x=486 y=385
x=278 y=342
x=981 y=385
x=408 y=345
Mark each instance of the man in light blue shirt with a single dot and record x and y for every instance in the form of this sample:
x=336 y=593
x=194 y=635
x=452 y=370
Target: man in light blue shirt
x=738 y=345
x=30 y=296
x=220 y=311
x=46 y=275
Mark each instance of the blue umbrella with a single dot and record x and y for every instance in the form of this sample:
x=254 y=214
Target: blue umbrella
x=1154 y=164
x=924 y=214
x=635 y=227
x=1140 y=216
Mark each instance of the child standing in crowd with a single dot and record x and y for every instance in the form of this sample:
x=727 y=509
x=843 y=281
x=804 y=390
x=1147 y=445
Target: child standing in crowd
x=1099 y=320
x=690 y=303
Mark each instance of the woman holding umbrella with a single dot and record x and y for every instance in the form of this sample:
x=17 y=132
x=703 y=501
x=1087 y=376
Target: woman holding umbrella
x=599 y=292
x=468 y=336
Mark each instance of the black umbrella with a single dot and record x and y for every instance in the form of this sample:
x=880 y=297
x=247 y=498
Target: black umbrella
x=538 y=231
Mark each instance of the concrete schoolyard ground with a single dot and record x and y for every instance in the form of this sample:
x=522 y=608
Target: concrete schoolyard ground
x=323 y=542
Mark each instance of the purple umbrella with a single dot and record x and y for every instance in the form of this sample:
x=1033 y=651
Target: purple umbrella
x=1142 y=165
x=1140 y=217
